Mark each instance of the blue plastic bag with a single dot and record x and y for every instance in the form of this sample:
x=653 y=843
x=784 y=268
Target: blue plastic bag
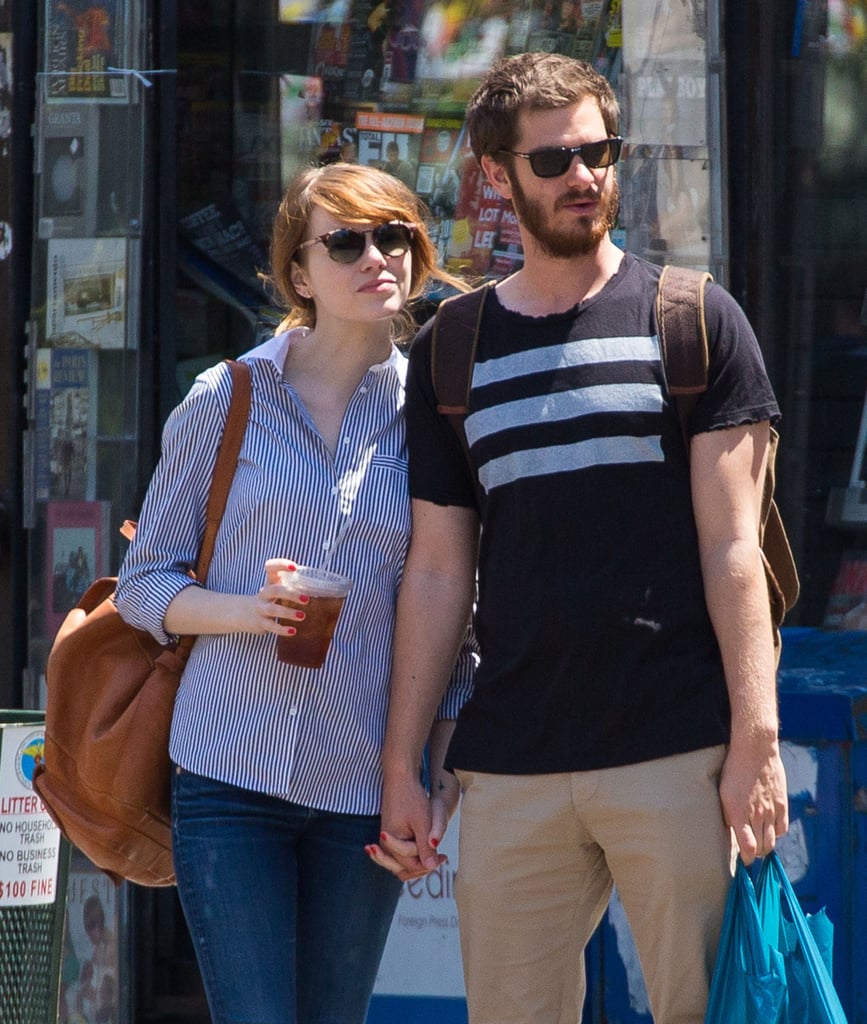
x=805 y=942
x=749 y=978
x=770 y=968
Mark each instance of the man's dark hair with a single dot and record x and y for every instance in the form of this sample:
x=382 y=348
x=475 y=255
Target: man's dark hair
x=533 y=81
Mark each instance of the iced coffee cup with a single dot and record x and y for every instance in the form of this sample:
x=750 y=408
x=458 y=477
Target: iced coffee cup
x=327 y=591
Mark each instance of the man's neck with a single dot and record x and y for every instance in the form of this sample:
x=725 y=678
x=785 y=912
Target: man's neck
x=547 y=285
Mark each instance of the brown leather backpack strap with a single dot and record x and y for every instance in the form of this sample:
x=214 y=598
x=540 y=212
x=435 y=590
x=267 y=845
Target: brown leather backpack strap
x=783 y=583
x=684 y=344
x=226 y=463
x=454 y=338
x=683 y=337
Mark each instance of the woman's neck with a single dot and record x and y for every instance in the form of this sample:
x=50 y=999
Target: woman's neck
x=325 y=366
x=339 y=350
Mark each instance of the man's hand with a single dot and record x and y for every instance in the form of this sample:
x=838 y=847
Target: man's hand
x=754 y=797
x=400 y=856
x=410 y=833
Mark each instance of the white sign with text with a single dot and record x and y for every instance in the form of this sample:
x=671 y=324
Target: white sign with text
x=29 y=839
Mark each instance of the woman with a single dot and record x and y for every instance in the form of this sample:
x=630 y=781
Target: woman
x=277 y=787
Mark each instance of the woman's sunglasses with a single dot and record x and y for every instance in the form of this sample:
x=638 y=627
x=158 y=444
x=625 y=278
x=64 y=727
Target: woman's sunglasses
x=346 y=245
x=553 y=161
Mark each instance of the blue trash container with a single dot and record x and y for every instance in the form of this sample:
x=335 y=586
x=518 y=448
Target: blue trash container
x=823 y=724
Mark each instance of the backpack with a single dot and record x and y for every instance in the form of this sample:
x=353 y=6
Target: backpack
x=106 y=774
x=684 y=344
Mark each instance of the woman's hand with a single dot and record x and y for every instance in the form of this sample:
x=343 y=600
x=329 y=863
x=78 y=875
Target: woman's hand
x=405 y=848
x=271 y=611
x=195 y=610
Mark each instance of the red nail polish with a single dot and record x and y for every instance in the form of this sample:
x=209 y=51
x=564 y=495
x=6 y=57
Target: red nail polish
x=303 y=598
x=291 y=631
x=434 y=842
x=382 y=837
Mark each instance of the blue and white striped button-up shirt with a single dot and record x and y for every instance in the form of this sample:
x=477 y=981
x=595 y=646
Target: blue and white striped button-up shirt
x=312 y=736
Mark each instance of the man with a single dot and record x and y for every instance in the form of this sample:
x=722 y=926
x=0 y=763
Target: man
x=393 y=164
x=623 y=726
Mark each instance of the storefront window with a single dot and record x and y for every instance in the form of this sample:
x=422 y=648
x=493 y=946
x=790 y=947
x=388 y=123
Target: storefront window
x=385 y=82
x=828 y=162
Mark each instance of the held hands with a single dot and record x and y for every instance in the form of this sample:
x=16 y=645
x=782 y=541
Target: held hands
x=405 y=852
x=754 y=796
x=410 y=836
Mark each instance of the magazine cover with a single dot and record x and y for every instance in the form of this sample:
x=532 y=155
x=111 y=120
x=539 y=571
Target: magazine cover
x=400 y=51
x=74 y=556
x=553 y=27
x=478 y=214
x=329 y=53
x=365 y=58
x=338 y=141
x=391 y=142
x=439 y=160
x=300 y=112
x=458 y=43
x=66 y=393
x=89 y=982
x=83 y=40
x=508 y=250
x=83 y=188
x=384 y=46
x=68 y=165
x=590 y=34
x=443 y=148
x=87 y=291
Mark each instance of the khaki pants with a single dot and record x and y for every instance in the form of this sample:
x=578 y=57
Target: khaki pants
x=538 y=857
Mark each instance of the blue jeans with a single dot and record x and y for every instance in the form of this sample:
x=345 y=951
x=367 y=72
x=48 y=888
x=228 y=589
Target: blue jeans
x=287 y=913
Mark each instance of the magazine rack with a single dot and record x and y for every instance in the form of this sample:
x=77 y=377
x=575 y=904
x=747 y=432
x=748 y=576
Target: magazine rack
x=82 y=439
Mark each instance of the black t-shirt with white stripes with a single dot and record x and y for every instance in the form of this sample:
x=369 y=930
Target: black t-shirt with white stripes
x=597 y=649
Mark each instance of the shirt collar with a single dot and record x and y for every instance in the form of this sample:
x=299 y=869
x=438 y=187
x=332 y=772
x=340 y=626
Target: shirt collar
x=275 y=349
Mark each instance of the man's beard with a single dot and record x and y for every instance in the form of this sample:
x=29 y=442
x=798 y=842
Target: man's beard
x=583 y=238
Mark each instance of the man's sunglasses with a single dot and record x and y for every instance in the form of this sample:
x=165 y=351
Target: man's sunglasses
x=553 y=161
x=346 y=245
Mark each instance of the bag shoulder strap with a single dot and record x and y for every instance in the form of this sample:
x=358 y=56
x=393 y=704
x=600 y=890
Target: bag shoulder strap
x=683 y=337
x=683 y=340
x=226 y=463
x=454 y=340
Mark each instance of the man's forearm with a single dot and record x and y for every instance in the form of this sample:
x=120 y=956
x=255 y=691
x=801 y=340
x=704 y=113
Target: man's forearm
x=736 y=593
x=432 y=614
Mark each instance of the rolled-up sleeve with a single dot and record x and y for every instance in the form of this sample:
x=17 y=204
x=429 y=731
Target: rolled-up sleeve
x=460 y=686
x=171 y=523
